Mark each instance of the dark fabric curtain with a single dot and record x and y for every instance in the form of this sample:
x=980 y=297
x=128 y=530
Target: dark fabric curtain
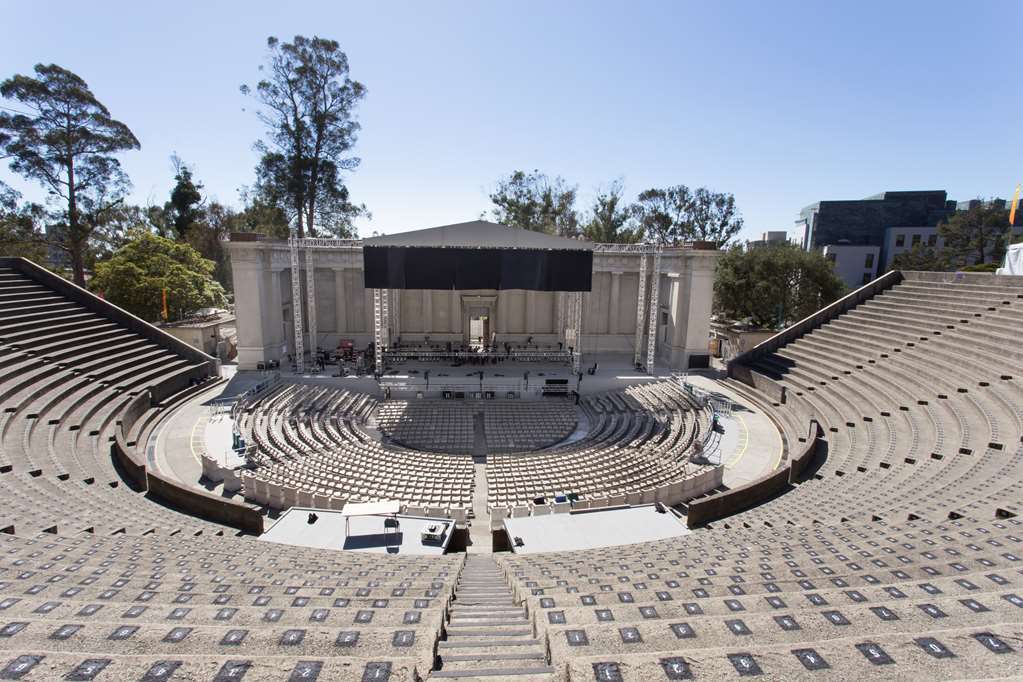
x=394 y=267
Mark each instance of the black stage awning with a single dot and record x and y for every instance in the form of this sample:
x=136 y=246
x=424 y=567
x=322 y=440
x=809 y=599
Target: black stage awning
x=477 y=255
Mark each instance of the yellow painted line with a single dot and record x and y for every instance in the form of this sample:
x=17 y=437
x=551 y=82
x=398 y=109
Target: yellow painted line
x=191 y=440
x=745 y=430
x=781 y=448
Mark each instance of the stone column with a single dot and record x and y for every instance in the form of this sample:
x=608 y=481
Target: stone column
x=428 y=312
x=250 y=281
x=275 y=331
x=340 y=303
x=612 y=311
x=530 y=312
x=456 y=312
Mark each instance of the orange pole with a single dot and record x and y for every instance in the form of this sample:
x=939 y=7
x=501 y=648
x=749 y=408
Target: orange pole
x=1012 y=209
x=165 y=315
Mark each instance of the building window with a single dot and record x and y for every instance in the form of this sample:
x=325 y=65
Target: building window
x=916 y=239
x=900 y=240
x=867 y=277
x=932 y=240
x=868 y=262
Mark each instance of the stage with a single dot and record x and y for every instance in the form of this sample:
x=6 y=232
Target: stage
x=592 y=529
x=365 y=533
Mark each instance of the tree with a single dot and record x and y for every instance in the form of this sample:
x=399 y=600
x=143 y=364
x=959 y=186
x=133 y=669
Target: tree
x=610 y=221
x=976 y=235
x=921 y=257
x=677 y=214
x=773 y=284
x=185 y=206
x=67 y=144
x=533 y=201
x=20 y=233
x=136 y=275
x=308 y=106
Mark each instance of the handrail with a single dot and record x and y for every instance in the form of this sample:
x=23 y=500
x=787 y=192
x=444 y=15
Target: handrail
x=811 y=322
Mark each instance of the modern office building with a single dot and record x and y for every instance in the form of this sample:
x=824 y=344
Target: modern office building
x=862 y=236
x=768 y=238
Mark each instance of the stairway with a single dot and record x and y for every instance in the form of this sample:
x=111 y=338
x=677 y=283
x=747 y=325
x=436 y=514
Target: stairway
x=487 y=636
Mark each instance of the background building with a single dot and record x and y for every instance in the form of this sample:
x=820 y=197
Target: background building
x=768 y=238
x=862 y=236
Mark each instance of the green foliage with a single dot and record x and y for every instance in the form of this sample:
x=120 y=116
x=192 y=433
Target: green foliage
x=135 y=276
x=610 y=221
x=185 y=206
x=308 y=106
x=677 y=214
x=977 y=235
x=982 y=267
x=772 y=283
x=67 y=144
x=20 y=233
x=534 y=201
x=921 y=257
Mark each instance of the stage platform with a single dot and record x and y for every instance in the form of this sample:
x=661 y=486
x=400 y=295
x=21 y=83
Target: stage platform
x=592 y=529
x=367 y=533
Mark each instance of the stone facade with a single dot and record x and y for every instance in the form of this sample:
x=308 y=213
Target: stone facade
x=344 y=307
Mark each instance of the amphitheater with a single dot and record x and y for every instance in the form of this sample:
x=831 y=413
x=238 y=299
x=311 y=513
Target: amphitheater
x=878 y=536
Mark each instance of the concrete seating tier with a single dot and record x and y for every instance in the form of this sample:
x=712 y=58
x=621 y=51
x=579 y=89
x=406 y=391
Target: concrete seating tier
x=922 y=407
x=449 y=426
x=68 y=373
x=311 y=451
x=639 y=441
x=205 y=605
x=916 y=600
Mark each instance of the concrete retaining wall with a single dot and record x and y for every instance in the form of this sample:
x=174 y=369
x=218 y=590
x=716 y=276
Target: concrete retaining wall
x=125 y=454
x=245 y=517
x=802 y=460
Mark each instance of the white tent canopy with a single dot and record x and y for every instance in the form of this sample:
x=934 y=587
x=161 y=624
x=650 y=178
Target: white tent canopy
x=373 y=509
x=1013 y=264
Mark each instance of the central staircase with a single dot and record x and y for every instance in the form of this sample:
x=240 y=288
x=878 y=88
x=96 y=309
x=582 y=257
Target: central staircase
x=487 y=635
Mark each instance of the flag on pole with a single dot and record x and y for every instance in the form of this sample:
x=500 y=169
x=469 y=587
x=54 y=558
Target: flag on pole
x=1012 y=209
x=165 y=315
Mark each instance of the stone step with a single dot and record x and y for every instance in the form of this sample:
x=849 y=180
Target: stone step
x=494 y=672
x=467 y=631
x=503 y=584
x=476 y=610
x=488 y=644
x=489 y=618
x=537 y=655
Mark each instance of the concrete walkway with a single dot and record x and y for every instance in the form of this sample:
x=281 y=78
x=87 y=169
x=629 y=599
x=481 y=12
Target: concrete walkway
x=750 y=445
x=480 y=539
x=182 y=437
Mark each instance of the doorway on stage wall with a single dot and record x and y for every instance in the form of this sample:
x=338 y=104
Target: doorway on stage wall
x=479 y=327
x=479 y=322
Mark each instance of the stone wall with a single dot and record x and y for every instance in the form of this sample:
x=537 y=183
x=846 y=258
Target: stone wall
x=344 y=307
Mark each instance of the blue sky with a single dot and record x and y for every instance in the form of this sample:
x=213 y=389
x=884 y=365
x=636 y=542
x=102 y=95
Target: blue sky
x=780 y=103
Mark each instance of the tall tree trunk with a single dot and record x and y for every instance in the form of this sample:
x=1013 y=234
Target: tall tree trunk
x=77 y=250
x=76 y=246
